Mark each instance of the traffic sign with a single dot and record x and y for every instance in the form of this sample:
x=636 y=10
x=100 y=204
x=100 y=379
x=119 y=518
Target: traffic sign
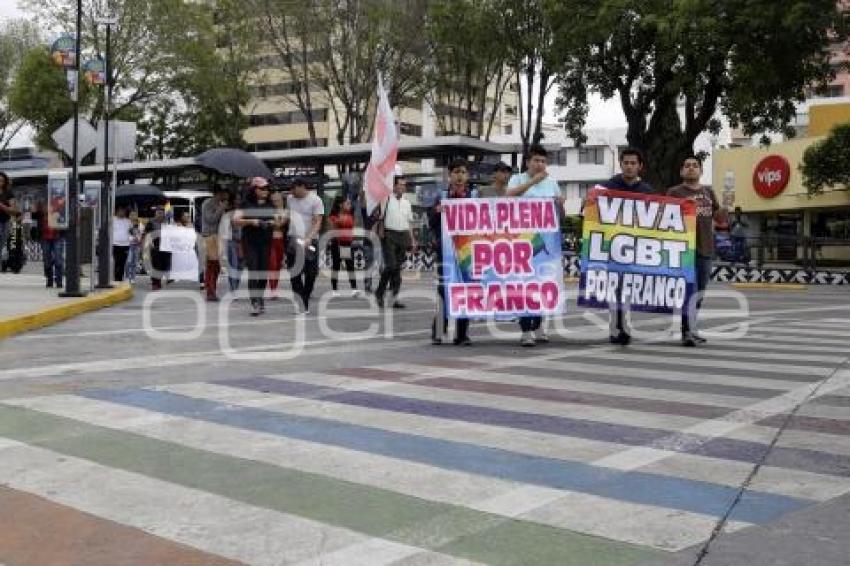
x=64 y=138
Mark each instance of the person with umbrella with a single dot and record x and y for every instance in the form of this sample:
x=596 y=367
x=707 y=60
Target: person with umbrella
x=256 y=219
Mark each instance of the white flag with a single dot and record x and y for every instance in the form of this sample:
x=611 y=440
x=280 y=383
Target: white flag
x=381 y=169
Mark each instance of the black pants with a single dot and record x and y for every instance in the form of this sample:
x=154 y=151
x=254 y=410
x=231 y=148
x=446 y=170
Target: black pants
x=530 y=323
x=395 y=246
x=337 y=262
x=119 y=258
x=461 y=324
x=256 y=256
x=303 y=281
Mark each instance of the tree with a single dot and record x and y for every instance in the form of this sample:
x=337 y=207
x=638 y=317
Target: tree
x=676 y=65
x=145 y=43
x=826 y=163
x=17 y=37
x=468 y=62
x=39 y=95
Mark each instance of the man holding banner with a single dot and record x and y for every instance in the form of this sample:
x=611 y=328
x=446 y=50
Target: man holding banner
x=631 y=165
x=638 y=249
x=535 y=183
x=707 y=207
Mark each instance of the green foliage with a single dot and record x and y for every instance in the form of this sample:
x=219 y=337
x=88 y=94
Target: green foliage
x=16 y=38
x=676 y=65
x=39 y=95
x=826 y=164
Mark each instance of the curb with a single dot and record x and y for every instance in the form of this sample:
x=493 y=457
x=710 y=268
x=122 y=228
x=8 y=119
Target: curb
x=51 y=315
x=771 y=286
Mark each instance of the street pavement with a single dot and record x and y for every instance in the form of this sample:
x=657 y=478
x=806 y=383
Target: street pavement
x=167 y=430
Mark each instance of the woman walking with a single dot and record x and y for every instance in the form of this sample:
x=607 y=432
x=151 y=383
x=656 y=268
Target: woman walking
x=256 y=218
x=135 y=251
x=231 y=236
x=160 y=260
x=342 y=222
x=278 y=243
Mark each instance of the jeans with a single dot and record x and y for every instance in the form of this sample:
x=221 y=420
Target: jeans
x=4 y=237
x=461 y=324
x=132 y=267
x=234 y=263
x=303 y=282
x=257 y=264
x=119 y=256
x=395 y=246
x=337 y=261
x=53 y=252
x=702 y=269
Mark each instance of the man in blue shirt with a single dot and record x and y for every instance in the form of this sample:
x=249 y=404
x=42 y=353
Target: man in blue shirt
x=535 y=183
x=631 y=165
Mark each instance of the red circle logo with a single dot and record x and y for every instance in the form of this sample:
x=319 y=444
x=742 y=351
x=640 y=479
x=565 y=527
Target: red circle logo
x=771 y=176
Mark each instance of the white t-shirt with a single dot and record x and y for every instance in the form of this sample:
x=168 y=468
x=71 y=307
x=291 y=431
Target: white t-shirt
x=398 y=215
x=301 y=212
x=121 y=231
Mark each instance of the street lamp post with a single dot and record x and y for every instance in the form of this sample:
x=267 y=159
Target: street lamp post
x=103 y=240
x=72 y=278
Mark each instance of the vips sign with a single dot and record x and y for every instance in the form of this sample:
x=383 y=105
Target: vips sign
x=637 y=250
x=502 y=257
x=771 y=176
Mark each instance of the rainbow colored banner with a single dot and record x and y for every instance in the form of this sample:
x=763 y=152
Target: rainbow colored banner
x=502 y=257
x=637 y=250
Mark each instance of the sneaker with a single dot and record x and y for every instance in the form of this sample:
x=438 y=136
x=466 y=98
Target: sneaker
x=465 y=341
x=540 y=336
x=397 y=305
x=528 y=340
x=355 y=293
x=436 y=341
x=623 y=339
x=255 y=309
x=699 y=338
x=688 y=340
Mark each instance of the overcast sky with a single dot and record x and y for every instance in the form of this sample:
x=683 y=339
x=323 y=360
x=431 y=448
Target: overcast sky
x=9 y=9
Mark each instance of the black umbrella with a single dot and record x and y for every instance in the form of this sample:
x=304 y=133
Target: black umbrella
x=139 y=196
x=235 y=162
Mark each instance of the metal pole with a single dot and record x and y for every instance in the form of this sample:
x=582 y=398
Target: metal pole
x=104 y=253
x=72 y=270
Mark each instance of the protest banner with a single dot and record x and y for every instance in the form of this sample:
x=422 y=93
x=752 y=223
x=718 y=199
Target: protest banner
x=180 y=242
x=637 y=249
x=502 y=257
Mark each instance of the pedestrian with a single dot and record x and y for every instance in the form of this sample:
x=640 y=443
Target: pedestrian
x=302 y=253
x=135 y=250
x=52 y=246
x=535 y=183
x=397 y=217
x=738 y=233
x=341 y=219
x=231 y=236
x=458 y=188
x=499 y=181
x=8 y=211
x=120 y=243
x=160 y=260
x=277 y=250
x=707 y=210
x=368 y=244
x=256 y=218
x=211 y=213
x=629 y=181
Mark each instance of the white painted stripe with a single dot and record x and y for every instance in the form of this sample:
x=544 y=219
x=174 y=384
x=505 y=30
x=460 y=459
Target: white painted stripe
x=712 y=352
x=778 y=369
x=418 y=480
x=700 y=468
x=810 y=332
x=767 y=335
x=762 y=346
x=199 y=519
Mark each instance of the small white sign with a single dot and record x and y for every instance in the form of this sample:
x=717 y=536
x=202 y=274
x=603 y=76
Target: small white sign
x=64 y=138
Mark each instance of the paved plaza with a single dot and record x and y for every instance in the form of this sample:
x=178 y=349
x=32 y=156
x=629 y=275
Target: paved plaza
x=170 y=431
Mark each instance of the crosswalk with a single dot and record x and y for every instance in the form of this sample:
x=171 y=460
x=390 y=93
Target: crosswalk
x=566 y=455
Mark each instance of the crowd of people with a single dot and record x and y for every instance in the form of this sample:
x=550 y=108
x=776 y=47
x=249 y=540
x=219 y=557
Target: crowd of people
x=259 y=231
